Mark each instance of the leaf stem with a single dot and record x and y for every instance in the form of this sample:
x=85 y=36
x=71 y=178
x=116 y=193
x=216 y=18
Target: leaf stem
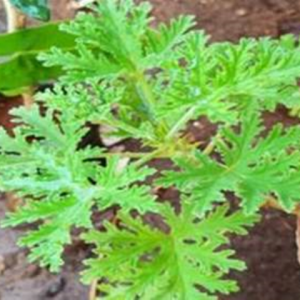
x=181 y=122
x=28 y=97
x=93 y=290
x=145 y=94
x=142 y=156
x=15 y=19
x=145 y=158
x=148 y=100
x=211 y=146
x=123 y=154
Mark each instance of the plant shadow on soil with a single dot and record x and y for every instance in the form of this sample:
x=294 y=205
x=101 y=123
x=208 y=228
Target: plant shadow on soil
x=269 y=250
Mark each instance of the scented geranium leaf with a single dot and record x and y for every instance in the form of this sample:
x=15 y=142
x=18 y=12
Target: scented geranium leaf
x=118 y=39
x=222 y=223
x=47 y=242
x=35 y=210
x=40 y=126
x=218 y=80
x=120 y=187
x=59 y=182
x=36 y=9
x=97 y=105
x=164 y=39
x=52 y=177
x=83 y=65
x=87 y=105
x=113 y=36
x=251 y=166
x=115 y=49
x=176 y=265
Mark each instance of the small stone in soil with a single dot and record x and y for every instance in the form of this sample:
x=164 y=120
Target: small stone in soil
x=241 y=12
x=55 y=288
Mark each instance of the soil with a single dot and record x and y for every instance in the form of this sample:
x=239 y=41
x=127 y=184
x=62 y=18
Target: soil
x=269 y=250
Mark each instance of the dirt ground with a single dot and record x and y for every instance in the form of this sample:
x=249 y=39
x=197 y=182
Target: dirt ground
x=269 y=250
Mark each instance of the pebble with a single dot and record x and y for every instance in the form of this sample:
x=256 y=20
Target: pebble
x=55 y=288
x=198 y=124
x=241 y=12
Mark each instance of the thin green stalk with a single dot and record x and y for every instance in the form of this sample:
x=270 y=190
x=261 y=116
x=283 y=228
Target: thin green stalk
x=181 y=122
x=149 y=101
x=132 y=155
x=145 y=94
x=148 y=157
x=211 y=146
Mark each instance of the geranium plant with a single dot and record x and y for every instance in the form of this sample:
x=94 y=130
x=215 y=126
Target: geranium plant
x=147 y=83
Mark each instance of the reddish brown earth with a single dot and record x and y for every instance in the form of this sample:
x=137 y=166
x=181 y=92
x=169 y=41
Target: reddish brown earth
x=269 y=250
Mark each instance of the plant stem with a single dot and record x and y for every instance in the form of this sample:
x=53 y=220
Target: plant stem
x=142 y=156
x=147 y=97
x=181 y=122
x=15 y=19
x=148 y=157
x=28 y=97
x=211 y=146
x=93 y=290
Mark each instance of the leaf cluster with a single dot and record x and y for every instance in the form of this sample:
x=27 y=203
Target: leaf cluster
x=184 y=263
x=148 y=83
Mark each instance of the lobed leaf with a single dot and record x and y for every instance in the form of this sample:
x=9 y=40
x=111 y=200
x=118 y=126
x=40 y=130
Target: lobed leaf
x=157 y=265
x=252 y=167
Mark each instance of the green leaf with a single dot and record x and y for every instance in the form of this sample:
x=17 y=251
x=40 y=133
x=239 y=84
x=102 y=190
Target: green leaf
x=121 y=41
x=156 y=265
x=60 y=183
x=120 y=187
x=147 y=83
x=218 y=80
x=29 y=39
x=36 y=9
x=166 y=38
x=19 y=67
x=252 y=167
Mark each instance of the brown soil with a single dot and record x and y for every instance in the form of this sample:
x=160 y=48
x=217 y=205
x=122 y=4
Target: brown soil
x=269 y=250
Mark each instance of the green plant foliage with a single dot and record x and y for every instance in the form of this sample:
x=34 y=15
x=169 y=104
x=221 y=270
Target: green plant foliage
x=30 y=39
x=19 y=67
x=36 y=9
x=175 y=265
x=147 y=83
x=51 y=168
x=251 y=166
